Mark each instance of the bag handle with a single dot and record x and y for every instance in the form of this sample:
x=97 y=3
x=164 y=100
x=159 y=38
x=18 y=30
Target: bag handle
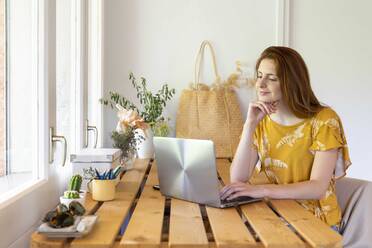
x=199 y=59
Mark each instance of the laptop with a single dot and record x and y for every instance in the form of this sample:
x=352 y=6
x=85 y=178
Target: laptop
x=187 y=171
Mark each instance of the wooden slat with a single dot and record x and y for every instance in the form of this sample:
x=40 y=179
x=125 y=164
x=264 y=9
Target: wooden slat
x=186 y=228
x=41 y=241
x=145 y=226
x=90 y=204
x=270 y=229
x=112 y=213
x=313 y=230
x=162 y=245
x=223 y=168
x=228 y=228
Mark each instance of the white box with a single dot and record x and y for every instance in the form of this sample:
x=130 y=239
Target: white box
x=97 y=158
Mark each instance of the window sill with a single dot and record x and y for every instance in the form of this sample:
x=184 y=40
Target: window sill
x=13 y=181
x=14 y=186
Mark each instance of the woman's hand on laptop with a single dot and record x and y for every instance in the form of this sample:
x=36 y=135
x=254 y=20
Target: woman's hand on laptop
x=237 y=189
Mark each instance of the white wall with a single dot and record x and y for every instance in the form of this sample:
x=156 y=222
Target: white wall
x=159 y=40
x=336 y=44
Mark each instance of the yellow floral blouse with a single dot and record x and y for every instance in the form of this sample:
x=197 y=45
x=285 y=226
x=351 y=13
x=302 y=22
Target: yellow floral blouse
x=287 y=153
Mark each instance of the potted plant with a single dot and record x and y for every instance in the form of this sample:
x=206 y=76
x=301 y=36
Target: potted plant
x=130 y=131
x=73 y=192
x=151 y=111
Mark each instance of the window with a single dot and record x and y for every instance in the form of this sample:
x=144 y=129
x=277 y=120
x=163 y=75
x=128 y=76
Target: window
x=44 y=45
x=19 y=94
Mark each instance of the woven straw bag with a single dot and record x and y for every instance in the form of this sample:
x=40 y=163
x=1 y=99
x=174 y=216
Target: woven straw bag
x=210 y=111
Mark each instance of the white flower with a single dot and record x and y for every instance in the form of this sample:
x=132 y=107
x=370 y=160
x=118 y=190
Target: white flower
x=120 y=127
x=129 y=118
x=126 y=115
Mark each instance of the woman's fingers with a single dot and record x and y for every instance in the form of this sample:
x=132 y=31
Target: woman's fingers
x=239 y=191
x=227 y=193
x=224 y=191
x=231 y=189
x=266 y=108
x=274 y=105
x=258 y=110
x=261 y=107
x=235 y=195
x=269 y=107
x=245 y=190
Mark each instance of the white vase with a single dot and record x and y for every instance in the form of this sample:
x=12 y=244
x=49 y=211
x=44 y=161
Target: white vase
x=145 y=145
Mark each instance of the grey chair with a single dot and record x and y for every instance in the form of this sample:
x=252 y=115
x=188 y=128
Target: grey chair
x=355 y=200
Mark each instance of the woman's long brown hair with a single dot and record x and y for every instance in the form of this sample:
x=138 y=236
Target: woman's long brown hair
x=294 y=80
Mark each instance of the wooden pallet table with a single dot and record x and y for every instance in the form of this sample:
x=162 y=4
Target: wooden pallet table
x=152 y=220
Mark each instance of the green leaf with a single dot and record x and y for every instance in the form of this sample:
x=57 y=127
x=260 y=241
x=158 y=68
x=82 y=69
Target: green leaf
x=152 y=104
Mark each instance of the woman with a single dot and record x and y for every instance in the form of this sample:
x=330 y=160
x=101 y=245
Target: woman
x=300 y=143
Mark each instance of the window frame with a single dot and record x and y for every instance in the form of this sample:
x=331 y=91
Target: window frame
x=42 y=194
x=39 y=78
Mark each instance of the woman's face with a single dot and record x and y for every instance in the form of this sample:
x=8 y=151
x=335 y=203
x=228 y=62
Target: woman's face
x=268 y=84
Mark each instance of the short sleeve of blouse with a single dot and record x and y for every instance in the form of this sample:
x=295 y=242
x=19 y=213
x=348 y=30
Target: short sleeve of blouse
x=328 y=134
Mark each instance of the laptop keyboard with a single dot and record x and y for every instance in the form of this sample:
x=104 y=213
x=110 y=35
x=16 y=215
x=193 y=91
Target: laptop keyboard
x=238 y=199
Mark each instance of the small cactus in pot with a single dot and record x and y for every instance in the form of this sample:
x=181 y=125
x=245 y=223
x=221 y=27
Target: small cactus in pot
x=75 y=183
x=73 y=192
